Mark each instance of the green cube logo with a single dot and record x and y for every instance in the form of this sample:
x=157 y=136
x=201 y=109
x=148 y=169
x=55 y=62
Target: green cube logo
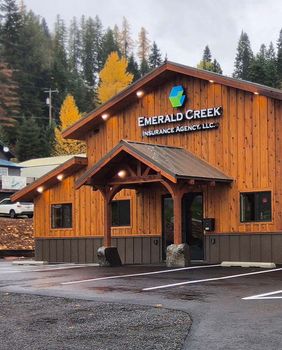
x=177 y=96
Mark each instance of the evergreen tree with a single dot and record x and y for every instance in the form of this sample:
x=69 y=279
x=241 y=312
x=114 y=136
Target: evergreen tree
x=11 y=27
x=74 y=46
x=216 y=67
x=263 y=69
x=243 y=58
x=33 y=73
x=279 y=59
x=29 y=141
x=144 y=67
x=207 y=57
x=272 y=78
x=155 y=57
x=69 y=114
x=91 y=52
x=109 y=45
x=113 y=77
x=208 y=64
x=133 y=68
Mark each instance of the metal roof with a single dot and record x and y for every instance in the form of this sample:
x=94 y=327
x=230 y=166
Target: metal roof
x=8 y=164
x=173 y=162
x=178 y=162
x=49 y=160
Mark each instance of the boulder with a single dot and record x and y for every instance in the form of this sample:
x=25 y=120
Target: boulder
x=178 y=255
x=108 y=256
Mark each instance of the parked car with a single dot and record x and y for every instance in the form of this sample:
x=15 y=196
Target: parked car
x=8 y=208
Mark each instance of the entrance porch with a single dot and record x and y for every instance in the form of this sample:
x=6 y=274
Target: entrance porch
x=137 y=166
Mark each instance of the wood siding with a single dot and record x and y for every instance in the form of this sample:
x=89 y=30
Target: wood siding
x=246 y=146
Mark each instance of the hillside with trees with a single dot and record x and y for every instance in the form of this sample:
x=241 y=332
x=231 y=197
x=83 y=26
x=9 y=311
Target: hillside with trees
x=74 y=59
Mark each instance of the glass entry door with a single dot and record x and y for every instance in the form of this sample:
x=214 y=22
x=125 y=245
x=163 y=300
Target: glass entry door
x=193 y=233
x=192 y=229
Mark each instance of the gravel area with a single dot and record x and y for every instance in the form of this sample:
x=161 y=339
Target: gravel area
x=37 y=322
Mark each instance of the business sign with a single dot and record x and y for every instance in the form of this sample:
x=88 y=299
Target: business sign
x=13 y=182
x=188 y=121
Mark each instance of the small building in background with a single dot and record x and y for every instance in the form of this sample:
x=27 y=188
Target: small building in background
x=35 y=168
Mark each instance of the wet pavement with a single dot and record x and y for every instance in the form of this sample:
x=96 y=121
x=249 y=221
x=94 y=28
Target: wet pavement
x=212 y=296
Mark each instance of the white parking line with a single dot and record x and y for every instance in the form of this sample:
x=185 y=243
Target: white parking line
x=265 y=296
x=210 y=279
x=139 y=274
x=46 y=269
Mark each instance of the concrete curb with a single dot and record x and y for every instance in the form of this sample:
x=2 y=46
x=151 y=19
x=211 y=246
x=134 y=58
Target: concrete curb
x=266 y=265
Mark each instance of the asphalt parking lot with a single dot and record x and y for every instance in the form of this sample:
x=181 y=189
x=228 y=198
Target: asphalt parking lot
x=231 y=308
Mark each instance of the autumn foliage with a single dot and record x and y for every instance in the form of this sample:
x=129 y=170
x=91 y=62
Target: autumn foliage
x=69 y=114
x=113 y=77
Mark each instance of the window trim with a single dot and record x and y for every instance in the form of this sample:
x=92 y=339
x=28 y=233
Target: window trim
x=256 y=190
x=72 y=213
x=130 y=214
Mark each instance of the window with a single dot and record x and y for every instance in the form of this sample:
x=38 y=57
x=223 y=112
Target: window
x=3 y=171
x=121 y=213
x=255 y=206
x=61 y=215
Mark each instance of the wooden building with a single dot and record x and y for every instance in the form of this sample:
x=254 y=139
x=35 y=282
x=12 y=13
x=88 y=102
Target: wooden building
x=181 y=155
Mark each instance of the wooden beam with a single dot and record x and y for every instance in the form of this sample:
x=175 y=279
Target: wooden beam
x=136 y=180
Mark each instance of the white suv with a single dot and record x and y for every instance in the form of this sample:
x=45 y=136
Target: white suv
x=13 y=210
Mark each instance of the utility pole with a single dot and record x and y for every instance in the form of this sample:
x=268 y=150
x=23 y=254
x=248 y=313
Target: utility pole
x=49 y=102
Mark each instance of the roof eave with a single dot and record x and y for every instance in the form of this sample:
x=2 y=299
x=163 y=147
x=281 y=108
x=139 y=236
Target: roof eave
x=70 y=166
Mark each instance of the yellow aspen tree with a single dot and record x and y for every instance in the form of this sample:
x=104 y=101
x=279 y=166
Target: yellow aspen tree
x=113 y=77
x=69 y=114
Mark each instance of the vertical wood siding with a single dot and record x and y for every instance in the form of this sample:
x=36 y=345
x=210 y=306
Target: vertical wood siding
x=247 y=146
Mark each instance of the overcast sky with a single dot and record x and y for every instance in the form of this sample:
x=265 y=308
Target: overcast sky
x=181 y=28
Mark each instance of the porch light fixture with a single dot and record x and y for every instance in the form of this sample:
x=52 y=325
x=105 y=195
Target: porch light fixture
x=60 y=177
x=105 y=116
x=256 y=93
x=122 y=173
x=139 y=93
x=211 y=81
x=40 y=189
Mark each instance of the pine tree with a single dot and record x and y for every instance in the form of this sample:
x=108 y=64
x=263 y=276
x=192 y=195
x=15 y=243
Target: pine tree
x=243 y=58
x=74 y=46
x=29 y=141
x=155 y=57
x=69 y=114
x=113 y=77
x=91 y=51
x=207 y=63
x=216 y=67
x=10 y=32
x=272 y=78
x=133 y=68
x=207 y=57
x=126 y=42
x=257 y=71
x=263 y=69
x=143 y=45
x=109 y=45
x=144 y=67
x=279 y=59
x=33 y=73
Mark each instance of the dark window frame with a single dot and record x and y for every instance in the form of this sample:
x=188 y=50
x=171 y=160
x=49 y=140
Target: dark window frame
x=67 y=223
x=120 y=223
x=257 y=211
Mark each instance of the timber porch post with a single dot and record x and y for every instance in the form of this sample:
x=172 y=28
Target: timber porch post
x=107 y=221
x=108 y=194
x=177 y=211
